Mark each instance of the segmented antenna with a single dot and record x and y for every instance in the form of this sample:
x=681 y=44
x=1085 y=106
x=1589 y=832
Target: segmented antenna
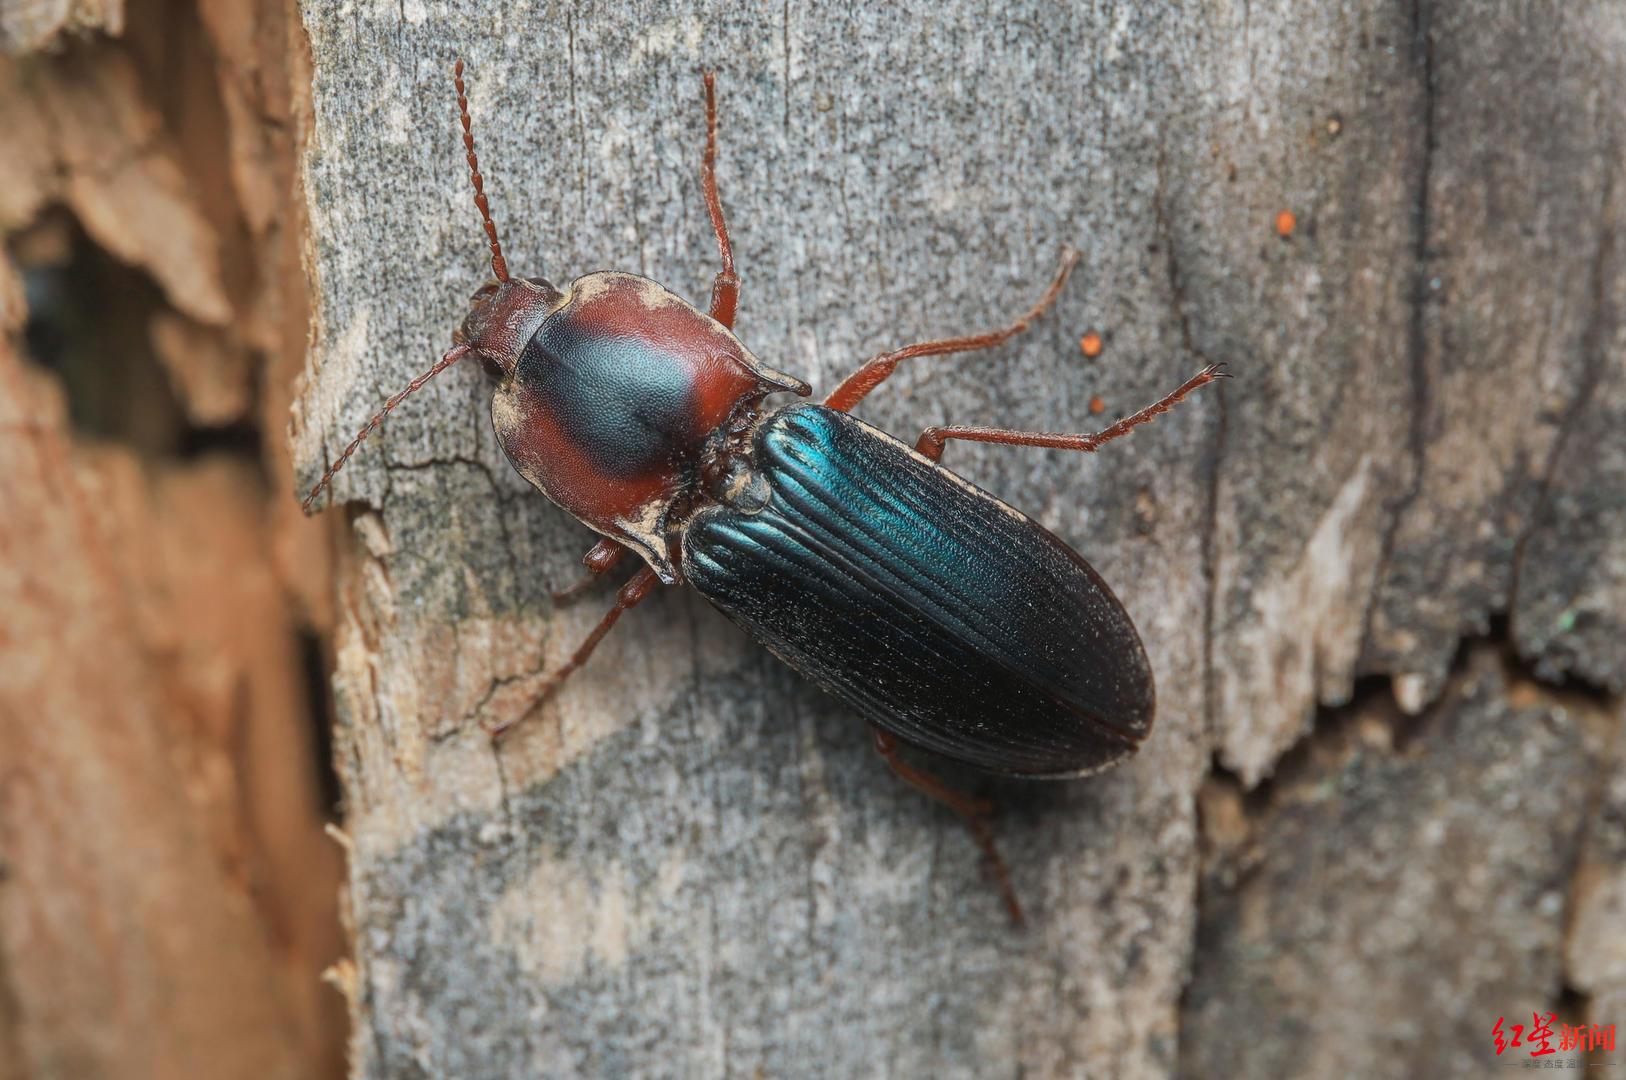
x=498 y=265
x=456 y=353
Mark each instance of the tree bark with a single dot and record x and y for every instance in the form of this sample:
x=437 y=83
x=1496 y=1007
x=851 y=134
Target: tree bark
x=1381 y=575
x=167 y=893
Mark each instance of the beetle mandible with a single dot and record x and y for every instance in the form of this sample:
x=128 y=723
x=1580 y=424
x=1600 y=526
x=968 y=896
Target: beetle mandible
x=950 y=621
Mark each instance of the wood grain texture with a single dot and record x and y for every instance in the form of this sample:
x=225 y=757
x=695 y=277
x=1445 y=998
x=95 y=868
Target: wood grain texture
x=689 y=863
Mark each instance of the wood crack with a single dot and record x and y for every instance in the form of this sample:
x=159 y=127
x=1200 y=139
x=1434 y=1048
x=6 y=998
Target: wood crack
x=1422 y=44
x=1208 y=539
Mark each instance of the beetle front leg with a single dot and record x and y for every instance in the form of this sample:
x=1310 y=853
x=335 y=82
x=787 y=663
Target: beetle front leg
x=725 y=287
x=631 y=594
x=875 y=370
x=600 y=558
x=932 y=440
x=973 y=811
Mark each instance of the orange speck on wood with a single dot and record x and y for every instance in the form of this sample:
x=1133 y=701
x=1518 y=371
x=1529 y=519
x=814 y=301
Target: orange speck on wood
x=1097 y=406
x=1285 y=222
x=1090 y=343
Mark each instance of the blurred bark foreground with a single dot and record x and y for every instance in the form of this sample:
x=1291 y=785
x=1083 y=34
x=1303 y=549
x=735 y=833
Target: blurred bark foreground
x=167 y=896
x=1380 y=575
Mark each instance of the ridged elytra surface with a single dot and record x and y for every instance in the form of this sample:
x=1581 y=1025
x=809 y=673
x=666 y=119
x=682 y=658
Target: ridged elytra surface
x=940 y=614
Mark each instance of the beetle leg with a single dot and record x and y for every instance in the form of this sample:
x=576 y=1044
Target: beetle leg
x=876 y=369
x=599 y=559
x=932 y=439
x=640 y=586
x=961 y=803
x=972 y=811
x=725 y=287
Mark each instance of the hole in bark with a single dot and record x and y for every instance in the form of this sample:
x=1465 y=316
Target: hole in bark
x=90 y=320
x=240 y=439
x=319 y=699
x=88 y=324
x=1571 y=1004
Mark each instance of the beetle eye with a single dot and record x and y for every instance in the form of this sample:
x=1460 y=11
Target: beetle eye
x=482 y=292
x=493 y=368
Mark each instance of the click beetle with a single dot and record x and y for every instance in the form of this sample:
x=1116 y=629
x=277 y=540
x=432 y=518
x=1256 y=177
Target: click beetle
x=950 y=621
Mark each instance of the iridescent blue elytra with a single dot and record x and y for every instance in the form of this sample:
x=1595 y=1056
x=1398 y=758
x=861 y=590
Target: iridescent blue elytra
x=944 y=616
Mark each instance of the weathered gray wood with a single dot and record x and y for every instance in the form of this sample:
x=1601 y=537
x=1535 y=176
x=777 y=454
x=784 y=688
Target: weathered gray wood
x=1380 y=906
x=690 y=864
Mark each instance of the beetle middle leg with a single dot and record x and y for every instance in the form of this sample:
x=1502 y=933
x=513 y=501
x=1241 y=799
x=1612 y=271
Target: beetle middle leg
x=933 y=439
x=973 y=811
x=875 y=370
x=632 y=593
x=725 y=287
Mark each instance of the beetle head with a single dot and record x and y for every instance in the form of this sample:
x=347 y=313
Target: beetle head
x=506 y=312
x=503 y=317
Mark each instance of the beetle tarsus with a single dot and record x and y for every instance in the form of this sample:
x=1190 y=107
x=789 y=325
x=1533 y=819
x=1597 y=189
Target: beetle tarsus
x=877 y=369
x=933 y=439
x=984 y=837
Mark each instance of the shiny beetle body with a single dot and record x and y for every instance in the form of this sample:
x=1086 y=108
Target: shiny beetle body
x=950 y=621
x=941 y=615
x=608 y=394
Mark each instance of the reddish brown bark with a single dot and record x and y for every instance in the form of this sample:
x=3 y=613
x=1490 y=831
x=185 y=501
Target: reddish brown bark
x=168 y=900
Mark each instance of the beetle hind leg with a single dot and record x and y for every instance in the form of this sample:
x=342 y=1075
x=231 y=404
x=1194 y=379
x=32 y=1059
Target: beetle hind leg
x=973 y=811
x=932 y=440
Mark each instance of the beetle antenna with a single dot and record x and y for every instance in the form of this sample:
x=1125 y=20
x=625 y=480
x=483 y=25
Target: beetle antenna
x=456 y=353
x=499 y=265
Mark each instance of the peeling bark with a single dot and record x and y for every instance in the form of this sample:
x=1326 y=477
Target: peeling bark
x=167 y=896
